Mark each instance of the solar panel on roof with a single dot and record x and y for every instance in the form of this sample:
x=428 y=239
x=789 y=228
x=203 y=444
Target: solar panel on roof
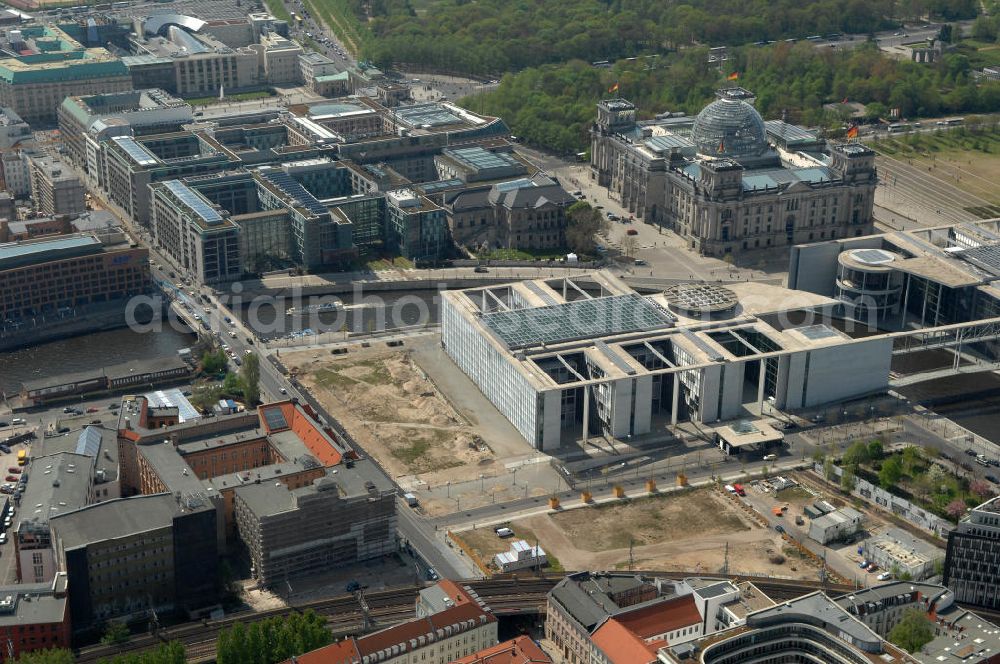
x=615 y=358
x=541 y=292
x=275 y=419
x=295 y=190
x=196 y=203
x=520 y=183
x=789 y=132
x=701 y=344
x=816 y=332
x=872 y=256
x=137 y=152
x=986 y=257
x=426 y=114
x=580 y=319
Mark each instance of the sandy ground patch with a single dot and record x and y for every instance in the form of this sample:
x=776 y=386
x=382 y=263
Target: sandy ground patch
x=485 y=543
x=687 y=531
x=394 y=411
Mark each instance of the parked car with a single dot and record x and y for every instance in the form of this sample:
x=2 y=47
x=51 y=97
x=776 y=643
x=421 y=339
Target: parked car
x=67 y=410
x=481 y=269
x=992 y=478
x=640 y=262
x=4 y=424
x=780 y=528
x=6 y=489
x=95 y=421
x=62 y=430
x=11 y=478
x=92 y=409
x=16 y=470
x=352 y=586
x=503 y=532
x=631 y=231
x=971 y=452
x=3 y=538
x=5 y=450
x=863 y=564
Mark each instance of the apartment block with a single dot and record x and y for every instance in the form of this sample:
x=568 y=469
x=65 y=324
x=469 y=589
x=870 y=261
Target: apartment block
x=339 y=520
x=972 y=563
x=55 y=187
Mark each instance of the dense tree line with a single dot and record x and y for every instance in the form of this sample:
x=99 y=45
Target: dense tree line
x=272 y=640
x=496 y=36
x=553 y=106
x=165 y=653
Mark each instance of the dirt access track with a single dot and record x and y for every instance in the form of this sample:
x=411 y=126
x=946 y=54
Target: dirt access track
x=687 y=530
x=388 y=403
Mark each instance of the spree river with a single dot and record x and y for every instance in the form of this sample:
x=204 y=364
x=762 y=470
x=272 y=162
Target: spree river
x=86 y=353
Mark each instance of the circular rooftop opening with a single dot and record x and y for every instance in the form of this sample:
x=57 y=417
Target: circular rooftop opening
x=700 y=299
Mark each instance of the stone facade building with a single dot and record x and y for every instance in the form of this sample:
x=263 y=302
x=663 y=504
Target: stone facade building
x=728 y=182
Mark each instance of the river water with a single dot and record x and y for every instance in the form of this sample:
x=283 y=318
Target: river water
x=86 y=353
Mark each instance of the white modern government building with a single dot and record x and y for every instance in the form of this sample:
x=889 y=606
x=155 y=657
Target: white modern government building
x=589 y=356
x=560 y=357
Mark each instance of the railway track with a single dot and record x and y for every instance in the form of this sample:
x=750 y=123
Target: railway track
x=504 y=595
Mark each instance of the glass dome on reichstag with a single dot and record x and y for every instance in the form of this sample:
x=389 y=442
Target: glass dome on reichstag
x=729 y=128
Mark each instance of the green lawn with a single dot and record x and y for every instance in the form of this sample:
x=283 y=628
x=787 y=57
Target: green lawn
x=524 y=254
x=277 y=9
x=980 y=54
x=237 y=96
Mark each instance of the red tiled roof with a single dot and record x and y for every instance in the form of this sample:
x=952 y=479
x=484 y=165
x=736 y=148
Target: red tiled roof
x=622 y=646
x=521 y=650
x=661 y=617
x=344 y=652
x=307 y=429
x=354 y=649
x=401 y=634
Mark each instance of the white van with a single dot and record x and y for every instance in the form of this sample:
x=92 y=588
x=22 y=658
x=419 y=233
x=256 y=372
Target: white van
x=18 y=420
x=503 y=532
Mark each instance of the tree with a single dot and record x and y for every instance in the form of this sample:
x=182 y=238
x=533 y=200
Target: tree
x=856 y=454
x=848 y=480
x=629 y=246
x=829 y=470
x=890 y=472
x=875 y=450
x=945 y=35
x=583 y=223
x=250 y=378
x=272 y=640
x=47 y=656
x=955 y=509
x=165 y=653
x=115 y=633
x=911 y=459
x=214 y=362
x=913 y=631
x=981 y=488
x=231 y=385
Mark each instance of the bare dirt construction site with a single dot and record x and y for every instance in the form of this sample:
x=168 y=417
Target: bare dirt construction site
x=393 y=409
x=686 y=530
